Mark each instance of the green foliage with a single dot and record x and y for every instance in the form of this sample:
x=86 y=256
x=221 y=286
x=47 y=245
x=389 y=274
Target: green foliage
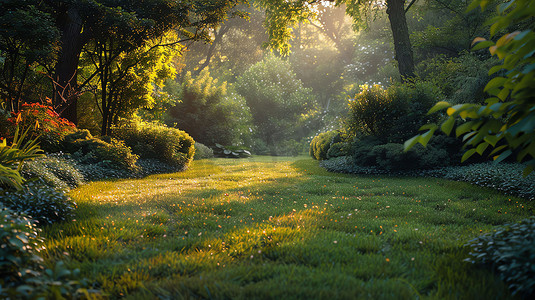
x=41 y=202
x=510 y=250
x=23 y=274
x=506 y=123
x=153 y=140
x=319 y=147
x=504 y=177
x=391 y=114
x=89 y=150
x=370 y=151
x=19 y=252
x=202 y=151
x=56 y=170
x=209 y=113
x=281 y=107
x=28 y=37
x=337 y=150
x=461 y=79
x=12 y=159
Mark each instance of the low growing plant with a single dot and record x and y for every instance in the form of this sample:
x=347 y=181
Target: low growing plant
x=43 y=203
x=57 y=170
x=510 y=250
x=90 y=150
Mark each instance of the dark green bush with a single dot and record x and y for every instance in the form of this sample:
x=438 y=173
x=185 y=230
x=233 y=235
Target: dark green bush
x=338 y=149
x=393 y=114
x=56 y=170
x=441 y=151
x=22 y=272
x=153 y=140
x=321 y=143
x=208 y=112
x=391 y=157
x=202 y=151
x=19 y=258
x=90 y=150
x=40 y=201
x=510 y=250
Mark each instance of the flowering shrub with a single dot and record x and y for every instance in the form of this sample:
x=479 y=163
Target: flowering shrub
x=44 y=122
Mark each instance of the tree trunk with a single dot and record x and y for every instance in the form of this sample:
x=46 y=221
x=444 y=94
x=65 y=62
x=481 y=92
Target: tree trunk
x=66 y=85
x=402 y=44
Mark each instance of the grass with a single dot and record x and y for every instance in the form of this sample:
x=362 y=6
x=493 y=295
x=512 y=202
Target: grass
x=281 y=228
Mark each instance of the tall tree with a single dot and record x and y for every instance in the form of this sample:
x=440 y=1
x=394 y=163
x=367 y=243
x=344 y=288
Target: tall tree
x=27 y=37
x=281 y=15
x=136 y=22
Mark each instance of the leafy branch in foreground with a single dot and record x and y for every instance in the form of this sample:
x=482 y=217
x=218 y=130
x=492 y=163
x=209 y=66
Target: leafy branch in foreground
x=506 y=124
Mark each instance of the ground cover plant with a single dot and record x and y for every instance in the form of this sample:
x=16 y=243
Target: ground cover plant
x=269 y=227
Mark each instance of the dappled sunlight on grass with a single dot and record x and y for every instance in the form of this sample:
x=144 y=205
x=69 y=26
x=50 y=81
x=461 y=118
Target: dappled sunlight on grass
x=283 y=227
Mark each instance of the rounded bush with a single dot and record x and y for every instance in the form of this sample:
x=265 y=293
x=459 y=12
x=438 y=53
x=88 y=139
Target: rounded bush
x=337 y=150
x=321 y=143
x=393 y=114
x=153 y=140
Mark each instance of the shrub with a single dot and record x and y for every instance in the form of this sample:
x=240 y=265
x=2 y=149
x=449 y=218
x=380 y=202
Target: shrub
x=90 y=150
x=153 y=140
x=391 y=157
x=43 y=122
x=56 y=170
x=42 y=202
x=209 y=113
x=321 y=143
x=337 y=150
x=202 y=151
x=22 y=272
x=510 y=249
x=391 y=114
x=460 y=79
x=18 y=254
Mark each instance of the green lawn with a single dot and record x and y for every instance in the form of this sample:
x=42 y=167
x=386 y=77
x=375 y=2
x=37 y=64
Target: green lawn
x=281 y=228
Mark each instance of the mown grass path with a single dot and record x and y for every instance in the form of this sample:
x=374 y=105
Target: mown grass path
x=281 y=228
